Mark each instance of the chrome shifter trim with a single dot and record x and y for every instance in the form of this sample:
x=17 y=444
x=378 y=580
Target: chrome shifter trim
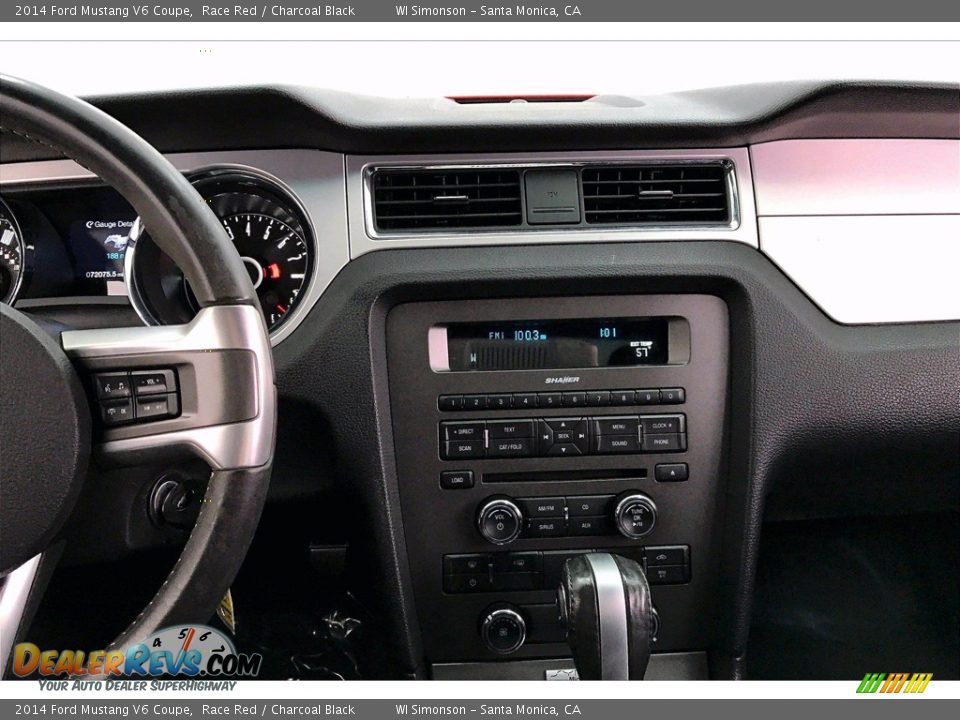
x=611 y=616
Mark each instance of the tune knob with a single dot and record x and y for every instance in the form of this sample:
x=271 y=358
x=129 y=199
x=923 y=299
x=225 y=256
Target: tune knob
x=503 y=629
x=635 y=515
x=499 y=520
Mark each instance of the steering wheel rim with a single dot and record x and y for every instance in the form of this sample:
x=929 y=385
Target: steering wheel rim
x=225 y=348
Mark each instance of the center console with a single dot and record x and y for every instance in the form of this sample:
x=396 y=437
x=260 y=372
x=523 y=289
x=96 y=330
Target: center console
x=528 y=431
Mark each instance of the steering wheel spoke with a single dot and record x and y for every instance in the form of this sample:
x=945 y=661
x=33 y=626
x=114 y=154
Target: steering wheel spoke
x=204 y=389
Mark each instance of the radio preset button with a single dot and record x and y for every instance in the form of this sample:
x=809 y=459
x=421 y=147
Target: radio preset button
x=499 y=402
x=449 y=403
x=672 y=396
x=622 y=397
x=525 y=400
x=598 y=398
x=574 y=399
x=549 y=400
x=474 y=402
x=648 y=397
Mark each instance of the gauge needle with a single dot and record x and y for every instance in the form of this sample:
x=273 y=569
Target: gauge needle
x=281 y=308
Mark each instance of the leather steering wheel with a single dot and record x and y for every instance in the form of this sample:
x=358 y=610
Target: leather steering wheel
x=223 y=365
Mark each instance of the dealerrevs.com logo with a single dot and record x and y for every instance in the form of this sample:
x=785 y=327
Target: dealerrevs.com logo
x=889 y=683
x=187 y=651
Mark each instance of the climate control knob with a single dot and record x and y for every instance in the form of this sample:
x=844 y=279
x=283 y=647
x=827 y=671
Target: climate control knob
x=635 y=515
x=503 y=629
x=499 y=520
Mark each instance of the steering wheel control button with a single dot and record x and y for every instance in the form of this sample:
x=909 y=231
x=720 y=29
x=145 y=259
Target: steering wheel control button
x=116 y=412
x=456 y=479
x=499 y=521
x=635 y=515
x=156 y=407
x=671 y=472
x=112 y=385
x=153 y=382
x=503 y=630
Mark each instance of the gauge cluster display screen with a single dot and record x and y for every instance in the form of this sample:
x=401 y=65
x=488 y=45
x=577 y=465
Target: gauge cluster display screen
x=99 y=245
x=556 y=344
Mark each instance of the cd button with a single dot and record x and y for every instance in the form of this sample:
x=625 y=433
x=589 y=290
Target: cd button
x=671 y=472
x=586 y=505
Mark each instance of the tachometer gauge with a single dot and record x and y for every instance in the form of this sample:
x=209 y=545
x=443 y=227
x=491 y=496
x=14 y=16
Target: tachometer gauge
x=271 y=232
x=11 y=255
x=276 y=257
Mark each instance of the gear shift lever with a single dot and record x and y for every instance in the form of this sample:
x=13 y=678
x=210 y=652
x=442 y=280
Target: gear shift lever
x=606 y=606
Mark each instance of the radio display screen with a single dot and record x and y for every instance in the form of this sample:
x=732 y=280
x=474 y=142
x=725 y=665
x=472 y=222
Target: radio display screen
x=558 y=344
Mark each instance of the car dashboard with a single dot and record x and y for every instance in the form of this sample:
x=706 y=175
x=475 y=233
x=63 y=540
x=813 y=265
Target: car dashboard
x=508 y=334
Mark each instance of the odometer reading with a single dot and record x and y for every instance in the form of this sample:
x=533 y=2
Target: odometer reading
x=277 y=259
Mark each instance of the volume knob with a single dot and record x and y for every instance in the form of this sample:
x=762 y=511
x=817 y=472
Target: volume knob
x=499 y=520
x=635 y=515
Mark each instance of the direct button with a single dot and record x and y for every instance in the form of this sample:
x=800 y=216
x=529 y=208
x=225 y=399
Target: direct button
x=542 y=507
x=463 y=431
x=151 y=382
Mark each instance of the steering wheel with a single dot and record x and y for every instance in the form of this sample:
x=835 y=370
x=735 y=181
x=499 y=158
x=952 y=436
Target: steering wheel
x=220 y=364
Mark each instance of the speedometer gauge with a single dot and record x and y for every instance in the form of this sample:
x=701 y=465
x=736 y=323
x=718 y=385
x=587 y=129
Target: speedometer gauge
x=276 y=257
x=11 y=255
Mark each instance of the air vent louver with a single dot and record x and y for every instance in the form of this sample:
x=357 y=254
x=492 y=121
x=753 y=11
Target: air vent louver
x=682 y=194
x=440 y=199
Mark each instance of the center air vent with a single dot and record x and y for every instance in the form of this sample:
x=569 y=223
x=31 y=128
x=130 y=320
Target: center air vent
x=682 y=194
x=440 y=199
